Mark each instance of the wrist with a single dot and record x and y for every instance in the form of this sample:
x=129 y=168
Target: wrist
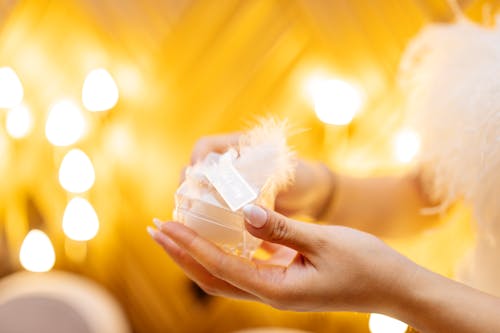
x=393 y=288
x=412 y=290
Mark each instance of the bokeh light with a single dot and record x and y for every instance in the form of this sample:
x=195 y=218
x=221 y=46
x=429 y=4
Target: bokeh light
x=336 y=102
x=100 y=92
x=37 y=253
x=76 y=173
x=11 y=88
x=144 y=80
x=406 y=145
x=19 y=122
x=119 y=142
x=80 y=221
x=129 y=80
x=383 y=324
x=65 y=123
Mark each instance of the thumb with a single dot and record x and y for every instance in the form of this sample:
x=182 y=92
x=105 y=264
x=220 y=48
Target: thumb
x=276 y=228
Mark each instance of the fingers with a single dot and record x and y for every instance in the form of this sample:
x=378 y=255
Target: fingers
x=246 y=275
x=216 y=144
x=276 y=228
x=196 y=272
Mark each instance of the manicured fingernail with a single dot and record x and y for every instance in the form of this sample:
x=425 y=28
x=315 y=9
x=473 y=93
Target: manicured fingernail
x=151 y=231
x=255 y=215
x=157 y=223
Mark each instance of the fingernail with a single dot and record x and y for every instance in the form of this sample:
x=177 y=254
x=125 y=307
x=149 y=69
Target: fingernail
x=151 y=231
x=255 y=215
x=157 y=223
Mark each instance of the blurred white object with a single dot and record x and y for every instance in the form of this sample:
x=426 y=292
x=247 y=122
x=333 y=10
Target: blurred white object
x=57 y=302
x=451 y=74
x=380 y=323
x=11 y=88
x=406 y=146
x=210 y=199
x=19 y=122
x=99 y=92
x=37 y=253
x=65 y=123
x=80 y=221
x=336 y=102
x=76 y=174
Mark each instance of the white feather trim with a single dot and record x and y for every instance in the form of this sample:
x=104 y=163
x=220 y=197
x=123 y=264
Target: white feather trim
x=451 y=74
x=265 y=160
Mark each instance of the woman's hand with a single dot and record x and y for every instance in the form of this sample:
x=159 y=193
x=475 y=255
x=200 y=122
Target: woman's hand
x=308 y=195
x=331 y=267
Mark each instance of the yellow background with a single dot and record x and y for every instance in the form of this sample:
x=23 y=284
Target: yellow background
x=186 y=69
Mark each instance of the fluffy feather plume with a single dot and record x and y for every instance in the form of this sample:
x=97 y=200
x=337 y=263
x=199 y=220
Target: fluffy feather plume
x=210 y=198
x=262 y=157
x=451 y=74
x=265 y=159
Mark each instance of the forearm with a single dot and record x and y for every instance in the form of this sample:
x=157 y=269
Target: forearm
x=384 y=206
x=434 y=304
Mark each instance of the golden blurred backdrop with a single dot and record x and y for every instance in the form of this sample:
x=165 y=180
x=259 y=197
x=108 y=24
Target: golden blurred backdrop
x=185 y=69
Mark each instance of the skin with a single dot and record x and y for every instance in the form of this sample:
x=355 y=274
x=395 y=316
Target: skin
x=390 y=205
x=330 y=267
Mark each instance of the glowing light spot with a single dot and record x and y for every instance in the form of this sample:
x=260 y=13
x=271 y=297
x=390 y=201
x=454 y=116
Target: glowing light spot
x=65 y=124
x=119 y=141
x=19 y=122
x=406 y=146
x=11 y=88
x=100 y=92
x=80 y=221
x=37 y=253
x=383 y=324
x=129 y=80
x=336 y=102
x=76 y=173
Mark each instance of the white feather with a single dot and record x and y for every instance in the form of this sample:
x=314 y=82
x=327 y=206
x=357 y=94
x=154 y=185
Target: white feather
x=451 y=75
x=265 y=159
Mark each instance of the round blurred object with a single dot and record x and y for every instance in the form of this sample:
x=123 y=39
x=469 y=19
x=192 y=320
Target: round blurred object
x=384 y=324
x=11 y=88
x=80 y=221
x=406 y=145
x=99 y=92
x=65 y=123
x=336 y=102
x=57 y=302
x=19 y=122
x=76 y=174
x=37 y=253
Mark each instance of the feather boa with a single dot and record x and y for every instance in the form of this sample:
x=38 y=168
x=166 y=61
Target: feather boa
x=451 y=75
